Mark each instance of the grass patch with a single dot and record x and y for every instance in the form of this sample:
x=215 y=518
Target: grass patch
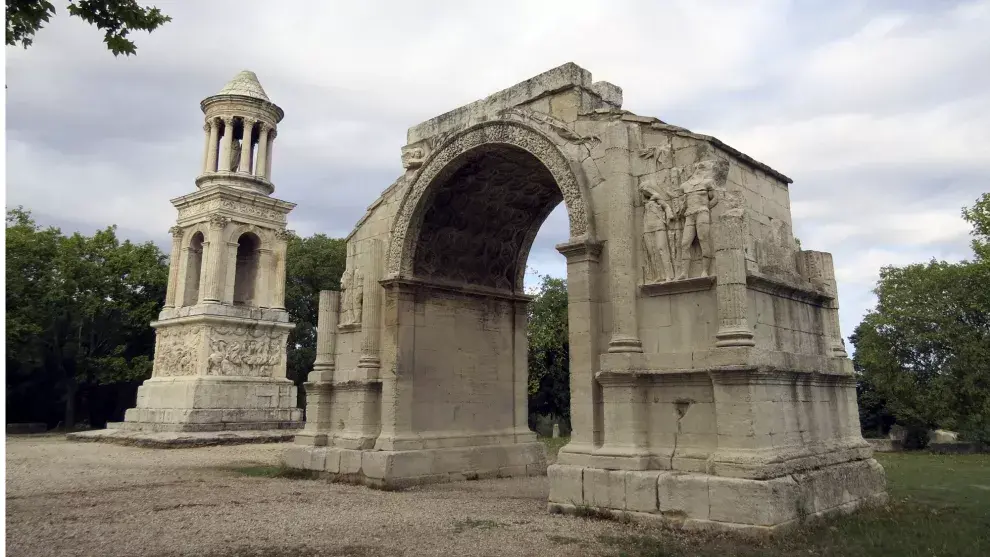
x=600 y=513
x=553 y=447
x=472 y=524
x=276 y=472
x=937 y=508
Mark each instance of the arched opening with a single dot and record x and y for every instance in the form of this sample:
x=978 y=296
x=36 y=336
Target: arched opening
x=246 y=269
x=479 y=219
x=194 y=266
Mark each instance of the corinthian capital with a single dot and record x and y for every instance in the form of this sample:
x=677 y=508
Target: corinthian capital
x=219 y=221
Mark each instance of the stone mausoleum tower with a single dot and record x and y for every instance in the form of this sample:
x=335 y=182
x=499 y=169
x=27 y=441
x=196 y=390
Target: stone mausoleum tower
x=220 y=353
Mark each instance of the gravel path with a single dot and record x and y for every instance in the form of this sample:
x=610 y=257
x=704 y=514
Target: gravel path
x=66 y=498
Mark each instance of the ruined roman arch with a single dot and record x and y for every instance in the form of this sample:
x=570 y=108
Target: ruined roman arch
x=709 y=381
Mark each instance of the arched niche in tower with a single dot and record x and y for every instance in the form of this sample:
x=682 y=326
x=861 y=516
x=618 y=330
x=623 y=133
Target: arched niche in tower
x=247 y=267
x=194 y=266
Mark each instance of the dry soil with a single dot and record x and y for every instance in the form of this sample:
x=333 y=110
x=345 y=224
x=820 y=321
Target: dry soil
x=68 y=498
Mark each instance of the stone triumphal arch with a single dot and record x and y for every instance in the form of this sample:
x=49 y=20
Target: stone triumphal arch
x=709 y=380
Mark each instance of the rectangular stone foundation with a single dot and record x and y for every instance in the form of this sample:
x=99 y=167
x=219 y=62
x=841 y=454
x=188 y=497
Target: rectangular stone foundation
x=205 y=404
x=399 y=469
x=701 y=501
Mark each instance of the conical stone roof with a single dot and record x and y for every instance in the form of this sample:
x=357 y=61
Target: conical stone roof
x=245 y=84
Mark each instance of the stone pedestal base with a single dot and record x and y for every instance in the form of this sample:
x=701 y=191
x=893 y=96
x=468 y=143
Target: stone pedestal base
x=399 y=469
x=180 y=440
x=701 y=501
x=175 y=412
x=198 y=404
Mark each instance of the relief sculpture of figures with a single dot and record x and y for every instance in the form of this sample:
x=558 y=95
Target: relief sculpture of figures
x=352 y=289
x=235 y=155
x=699 y=193
x=656 y=219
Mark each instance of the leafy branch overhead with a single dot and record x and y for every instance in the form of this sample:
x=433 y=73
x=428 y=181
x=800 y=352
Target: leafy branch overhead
x=116 y=18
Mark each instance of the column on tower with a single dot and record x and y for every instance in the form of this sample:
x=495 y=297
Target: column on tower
x=262 y=161
x=210 y=150
x=227 y=142
x=245 y=162
x=268 y=157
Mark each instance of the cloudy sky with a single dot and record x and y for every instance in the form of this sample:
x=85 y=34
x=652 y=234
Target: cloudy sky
x=879 y=110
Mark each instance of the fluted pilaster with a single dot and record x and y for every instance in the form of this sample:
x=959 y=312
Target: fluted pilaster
x=278 y=280
x=215 y=261
x=730 y=271
x=173 y=266
x=372 y=310
x=326 y=335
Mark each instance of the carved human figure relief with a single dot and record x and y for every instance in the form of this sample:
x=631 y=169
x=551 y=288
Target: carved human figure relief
x=699 y=193
x=413 y=157
x=175 y=352
x=235 y=154
x=352 y=293
x=657 y=214
x=235 y=352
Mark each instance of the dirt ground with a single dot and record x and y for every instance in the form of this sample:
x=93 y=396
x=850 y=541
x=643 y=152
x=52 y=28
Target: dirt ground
x=66 y=498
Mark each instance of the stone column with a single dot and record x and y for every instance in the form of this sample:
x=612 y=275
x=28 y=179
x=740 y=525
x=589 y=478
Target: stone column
x=268 y=157
x=326 y=336
x=372 y=310
x=210 y=164
x=173 y=266
x=226 y=142
x=245 y=164
x=278 y=286
x=208 y=129
x=583 y=331
x=320 y=381
x=230 y=271
x=260 y=168
x=262 y=289
x=730 y=274
x=183 y=278
x=621 y=235
x=818 y=268
x=212 y=287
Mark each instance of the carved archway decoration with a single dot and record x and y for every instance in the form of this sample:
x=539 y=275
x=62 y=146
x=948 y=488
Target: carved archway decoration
x=491 y=141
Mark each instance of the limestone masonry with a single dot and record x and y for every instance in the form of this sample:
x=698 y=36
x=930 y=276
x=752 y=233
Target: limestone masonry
x=710 y=385
x=221 y=338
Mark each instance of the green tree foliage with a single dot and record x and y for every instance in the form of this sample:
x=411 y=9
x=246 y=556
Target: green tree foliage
x=116 y=18
x=549 y=359
x=924 y=351
x=312 y=264
x=78 y=309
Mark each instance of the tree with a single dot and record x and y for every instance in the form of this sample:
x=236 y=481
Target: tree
x=312 y=264
x=925 y=349
x=79 y=307
x=117 y=18
x=549 y=358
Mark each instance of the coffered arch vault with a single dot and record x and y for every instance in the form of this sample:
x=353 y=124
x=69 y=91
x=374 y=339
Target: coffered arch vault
x=475 y=206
